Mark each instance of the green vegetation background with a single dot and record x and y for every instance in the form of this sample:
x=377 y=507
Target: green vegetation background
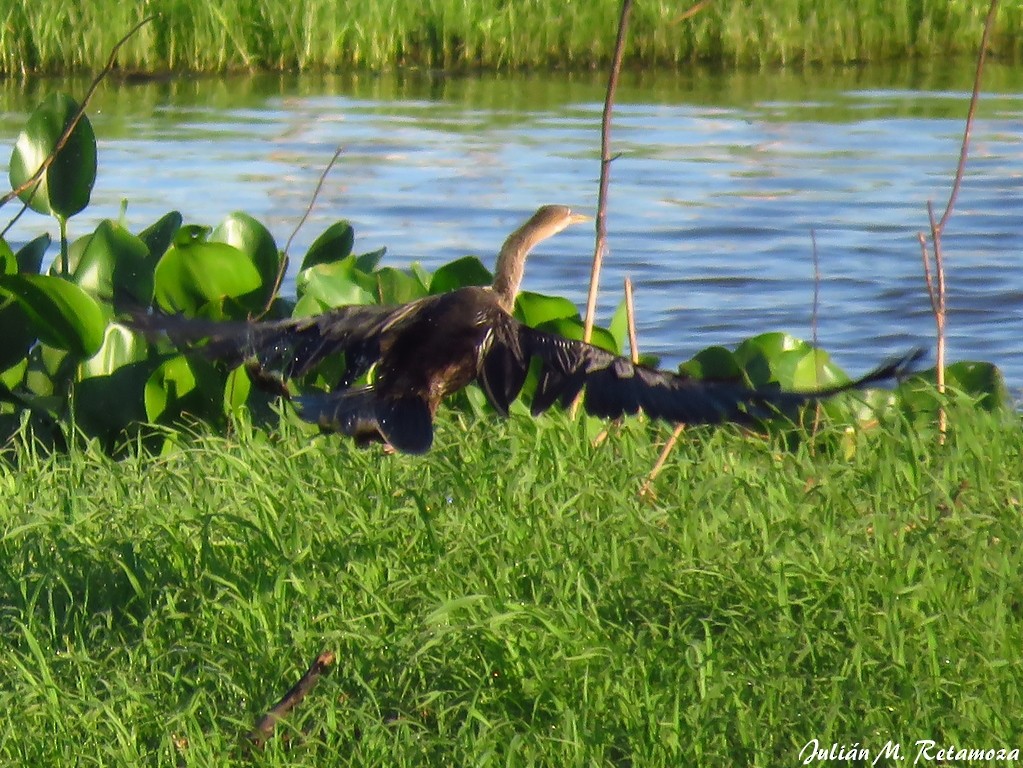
x=58 y=36
x=494 y=604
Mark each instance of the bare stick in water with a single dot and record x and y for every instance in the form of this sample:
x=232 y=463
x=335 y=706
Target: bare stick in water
x=936 y=280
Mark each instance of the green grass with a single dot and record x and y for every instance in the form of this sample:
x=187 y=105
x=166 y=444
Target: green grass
x=508 y=600
x=57 y=36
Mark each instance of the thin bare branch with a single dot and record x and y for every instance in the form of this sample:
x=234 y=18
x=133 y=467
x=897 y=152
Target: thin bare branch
x=70 y=127
x=691 y=12
x=265 y=727
x=814 y=314
x=989 y=23
x=669 y=446
x=928 y=278
x=283 y=268
x=600 y=246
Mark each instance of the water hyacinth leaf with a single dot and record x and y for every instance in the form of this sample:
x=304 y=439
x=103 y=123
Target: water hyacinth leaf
x=190 y=234
x=813 y=369
x=17 y=332
x=422 y=275
x=61 y=313
x=8 y=261
x=367 y=262
x=107 y=407
x=535 y=309
x=332 y=285
x=255 y=241
x=183 y=386
x=66 y=185
x=114 y=266
x=13 y=375
x=334 y=244
x=459 y=273
x=619 y=325
x=30 y=256
x=714 y=364
x=397 y=287
x=195 y=276
x=120 y=347
x=108 y=395
x=761 y=357
x=159 y=235
x=981 y=382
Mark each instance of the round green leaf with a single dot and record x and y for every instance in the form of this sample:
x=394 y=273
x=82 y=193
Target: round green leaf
x=255 y=241
x=120 y=347
x=65 y=187
x=62 y=314
x=16 y=330
x=8 y=261
x=114 y=266
x=159 y=235
x=30 y=257
x=332 y=285
x=761 y=357
x=183 y=385
x=194 y=275
x=397 y=287
x=334 y=244
x=712 y=363
x=367 y=262
x=459 y=273
x=534 y=309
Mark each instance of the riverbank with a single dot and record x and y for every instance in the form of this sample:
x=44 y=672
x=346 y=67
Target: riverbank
x=50 y=36
x=509 y=599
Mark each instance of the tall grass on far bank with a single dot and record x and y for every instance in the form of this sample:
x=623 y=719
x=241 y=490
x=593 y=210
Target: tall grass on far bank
x=217 y=35
x=508 y=600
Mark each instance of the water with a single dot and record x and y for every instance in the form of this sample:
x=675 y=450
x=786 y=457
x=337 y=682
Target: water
x=720 y=180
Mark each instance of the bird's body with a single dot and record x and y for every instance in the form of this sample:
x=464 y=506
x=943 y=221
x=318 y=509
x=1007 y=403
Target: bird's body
x=426 y=350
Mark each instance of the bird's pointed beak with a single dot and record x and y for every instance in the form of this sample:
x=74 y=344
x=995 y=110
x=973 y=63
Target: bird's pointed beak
x=579 y=218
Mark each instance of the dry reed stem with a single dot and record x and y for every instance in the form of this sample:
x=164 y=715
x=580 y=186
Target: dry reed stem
x=936 y=281
x=630 y=317
x=645 y=491
x=600 y=243
x=814 y=314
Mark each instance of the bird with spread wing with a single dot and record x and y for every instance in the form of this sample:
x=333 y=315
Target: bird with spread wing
x=423 y=351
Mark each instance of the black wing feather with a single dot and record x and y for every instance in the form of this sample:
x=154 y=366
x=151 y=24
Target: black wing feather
x=616 y=387
x=293 y=346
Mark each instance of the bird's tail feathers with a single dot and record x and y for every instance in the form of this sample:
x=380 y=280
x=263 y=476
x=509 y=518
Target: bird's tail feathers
x=892 y=369
x=405 y=423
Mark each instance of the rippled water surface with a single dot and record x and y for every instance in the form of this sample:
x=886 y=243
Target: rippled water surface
x=719 y=183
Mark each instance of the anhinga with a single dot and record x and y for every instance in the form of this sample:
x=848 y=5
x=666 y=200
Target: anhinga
x=430 y=348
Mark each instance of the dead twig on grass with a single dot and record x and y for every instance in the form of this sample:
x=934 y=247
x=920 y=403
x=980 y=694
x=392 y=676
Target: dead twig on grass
x=264 y=729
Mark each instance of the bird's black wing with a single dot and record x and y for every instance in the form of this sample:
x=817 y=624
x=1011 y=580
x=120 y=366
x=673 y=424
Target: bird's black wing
x=614 y=386
x=292 y=347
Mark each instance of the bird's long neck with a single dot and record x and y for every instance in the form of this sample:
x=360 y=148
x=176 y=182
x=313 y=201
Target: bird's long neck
x=511 y=263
